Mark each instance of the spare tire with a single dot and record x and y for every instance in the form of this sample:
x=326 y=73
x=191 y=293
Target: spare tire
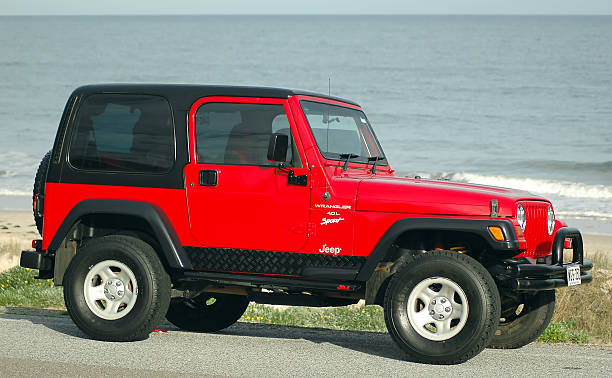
x=39 y=190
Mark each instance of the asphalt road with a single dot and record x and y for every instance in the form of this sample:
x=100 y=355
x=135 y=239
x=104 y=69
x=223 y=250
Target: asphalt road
x=53 y=346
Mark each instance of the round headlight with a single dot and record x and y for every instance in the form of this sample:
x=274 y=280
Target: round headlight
x=521 y=217
x=551 y=220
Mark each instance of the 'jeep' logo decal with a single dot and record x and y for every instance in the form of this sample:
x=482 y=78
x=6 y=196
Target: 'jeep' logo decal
x=331 y=250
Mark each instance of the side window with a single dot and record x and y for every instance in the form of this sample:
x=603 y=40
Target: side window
x=116 y=132
x=234 y=133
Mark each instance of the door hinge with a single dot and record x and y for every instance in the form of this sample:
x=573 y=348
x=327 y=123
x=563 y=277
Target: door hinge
x=310 y=230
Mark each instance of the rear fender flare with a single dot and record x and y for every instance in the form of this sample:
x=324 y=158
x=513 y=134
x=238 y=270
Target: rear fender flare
x=169 y=242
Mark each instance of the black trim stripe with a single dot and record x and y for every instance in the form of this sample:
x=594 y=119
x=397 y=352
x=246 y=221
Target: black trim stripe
x=270 y=262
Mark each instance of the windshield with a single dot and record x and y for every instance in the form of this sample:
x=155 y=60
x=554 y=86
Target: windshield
x=339 y=130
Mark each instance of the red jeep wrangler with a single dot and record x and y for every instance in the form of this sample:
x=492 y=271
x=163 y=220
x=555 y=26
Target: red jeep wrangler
x=189 y=201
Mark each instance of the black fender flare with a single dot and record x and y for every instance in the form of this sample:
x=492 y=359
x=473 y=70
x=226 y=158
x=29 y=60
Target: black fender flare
x=475 y=226
x=168 y=239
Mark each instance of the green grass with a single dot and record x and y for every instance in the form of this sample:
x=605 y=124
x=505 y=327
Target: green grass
x=366 y=318
x=19 y=288
x=566 y=331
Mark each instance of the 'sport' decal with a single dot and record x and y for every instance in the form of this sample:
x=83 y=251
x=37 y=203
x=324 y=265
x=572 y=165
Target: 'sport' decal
x=326 y=221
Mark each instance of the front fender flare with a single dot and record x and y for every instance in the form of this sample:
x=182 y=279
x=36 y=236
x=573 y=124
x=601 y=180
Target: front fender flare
x=475 y=226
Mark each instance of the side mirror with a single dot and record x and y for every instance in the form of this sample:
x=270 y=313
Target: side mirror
x=277 y=148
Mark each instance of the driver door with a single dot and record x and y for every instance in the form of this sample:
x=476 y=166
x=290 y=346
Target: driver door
x=237 y=198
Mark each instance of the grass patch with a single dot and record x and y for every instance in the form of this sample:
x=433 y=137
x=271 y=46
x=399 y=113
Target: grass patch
x=588 y=307
x=356 y=318
x=564 y=332
x=19 y=288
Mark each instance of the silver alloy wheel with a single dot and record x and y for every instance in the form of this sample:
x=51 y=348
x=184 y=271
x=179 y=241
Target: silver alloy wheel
x=110 y=289
x=437 y=308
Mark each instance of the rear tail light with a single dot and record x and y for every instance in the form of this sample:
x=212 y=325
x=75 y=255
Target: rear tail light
x=37 y=244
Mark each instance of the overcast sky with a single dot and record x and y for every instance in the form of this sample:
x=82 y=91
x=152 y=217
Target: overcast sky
x=56 y=7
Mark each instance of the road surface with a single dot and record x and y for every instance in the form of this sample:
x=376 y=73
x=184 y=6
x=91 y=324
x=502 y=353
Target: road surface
x=53 y=346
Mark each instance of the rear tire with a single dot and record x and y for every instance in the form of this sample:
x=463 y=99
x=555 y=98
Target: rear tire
x=442 y=308
x=39 y=188
x=519 y=328
x=116 y=289
x=208 y=312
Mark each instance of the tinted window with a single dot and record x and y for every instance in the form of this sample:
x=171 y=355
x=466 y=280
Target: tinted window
x=131 y=133
x=230 y=133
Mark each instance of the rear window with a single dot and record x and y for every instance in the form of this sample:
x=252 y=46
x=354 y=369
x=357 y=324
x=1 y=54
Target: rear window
x=131 y=133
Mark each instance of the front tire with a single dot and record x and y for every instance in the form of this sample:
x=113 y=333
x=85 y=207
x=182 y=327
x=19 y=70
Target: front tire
x=524 y=319
x=208 y=312
x=442 y=308
x=116 y=289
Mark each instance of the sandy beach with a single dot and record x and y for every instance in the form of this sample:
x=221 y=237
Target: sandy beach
x=17 y=230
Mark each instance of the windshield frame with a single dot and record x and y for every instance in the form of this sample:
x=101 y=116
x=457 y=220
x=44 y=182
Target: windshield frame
x=335 y=156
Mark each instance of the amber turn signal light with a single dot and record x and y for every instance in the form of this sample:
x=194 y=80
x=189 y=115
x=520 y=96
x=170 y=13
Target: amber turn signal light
x=497 y=233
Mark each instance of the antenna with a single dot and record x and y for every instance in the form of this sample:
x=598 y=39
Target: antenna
x=329 y=86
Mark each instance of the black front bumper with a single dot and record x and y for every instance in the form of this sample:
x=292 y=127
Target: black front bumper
x=535 y=277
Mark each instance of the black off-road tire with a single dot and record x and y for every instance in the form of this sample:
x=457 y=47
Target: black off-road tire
x=208 y=312
x=520 y=329
x=481 y=319
x=39 y=187
x=153 y=288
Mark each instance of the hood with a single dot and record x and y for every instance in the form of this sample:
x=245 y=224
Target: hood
x=417 y=196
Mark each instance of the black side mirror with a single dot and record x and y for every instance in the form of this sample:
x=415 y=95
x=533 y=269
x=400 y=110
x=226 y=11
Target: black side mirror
x=277 y=148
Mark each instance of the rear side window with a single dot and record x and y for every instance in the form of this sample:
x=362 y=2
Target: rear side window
x=132 y=133
x=234 y=133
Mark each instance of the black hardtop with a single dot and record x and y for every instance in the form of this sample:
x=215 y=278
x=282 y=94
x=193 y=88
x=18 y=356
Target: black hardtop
x=182 y=96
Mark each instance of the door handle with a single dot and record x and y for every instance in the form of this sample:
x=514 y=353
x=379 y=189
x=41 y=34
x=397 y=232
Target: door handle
x=209 y=177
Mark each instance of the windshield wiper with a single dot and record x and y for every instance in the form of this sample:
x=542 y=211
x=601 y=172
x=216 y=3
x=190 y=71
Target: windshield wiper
x=348 y=157
x=375 y=159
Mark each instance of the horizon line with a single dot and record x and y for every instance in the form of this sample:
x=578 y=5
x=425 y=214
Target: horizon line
x=302 y=14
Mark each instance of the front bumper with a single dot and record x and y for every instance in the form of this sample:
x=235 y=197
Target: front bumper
x=535 y=277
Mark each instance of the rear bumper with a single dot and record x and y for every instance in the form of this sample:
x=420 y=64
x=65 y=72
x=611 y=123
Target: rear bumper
x=535 y=277
x=37 y=260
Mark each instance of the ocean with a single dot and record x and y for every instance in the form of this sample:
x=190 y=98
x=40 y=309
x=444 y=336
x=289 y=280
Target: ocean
x=514 y=101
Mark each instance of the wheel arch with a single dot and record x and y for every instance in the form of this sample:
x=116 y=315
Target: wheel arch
x=411 y=236
x=100 y=217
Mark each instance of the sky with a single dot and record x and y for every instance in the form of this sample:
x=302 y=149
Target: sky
x=148 y=7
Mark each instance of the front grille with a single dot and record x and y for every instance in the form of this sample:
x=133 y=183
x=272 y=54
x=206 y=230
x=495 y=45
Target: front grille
x=539 y=243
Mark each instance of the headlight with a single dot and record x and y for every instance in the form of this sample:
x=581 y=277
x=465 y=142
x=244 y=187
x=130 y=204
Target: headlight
x=551 y=220
x=521 y=217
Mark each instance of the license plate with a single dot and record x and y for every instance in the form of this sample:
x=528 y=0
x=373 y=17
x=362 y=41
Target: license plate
x=573 y=275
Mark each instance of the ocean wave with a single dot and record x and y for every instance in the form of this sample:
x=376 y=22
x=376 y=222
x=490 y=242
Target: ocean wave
x=587 y=214
x=11 y=192
x=537 y=186
x=604 y=167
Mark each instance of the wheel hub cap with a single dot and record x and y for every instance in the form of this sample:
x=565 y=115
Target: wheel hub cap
x=439 y=308
x=114 y=289
x=110 y=289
